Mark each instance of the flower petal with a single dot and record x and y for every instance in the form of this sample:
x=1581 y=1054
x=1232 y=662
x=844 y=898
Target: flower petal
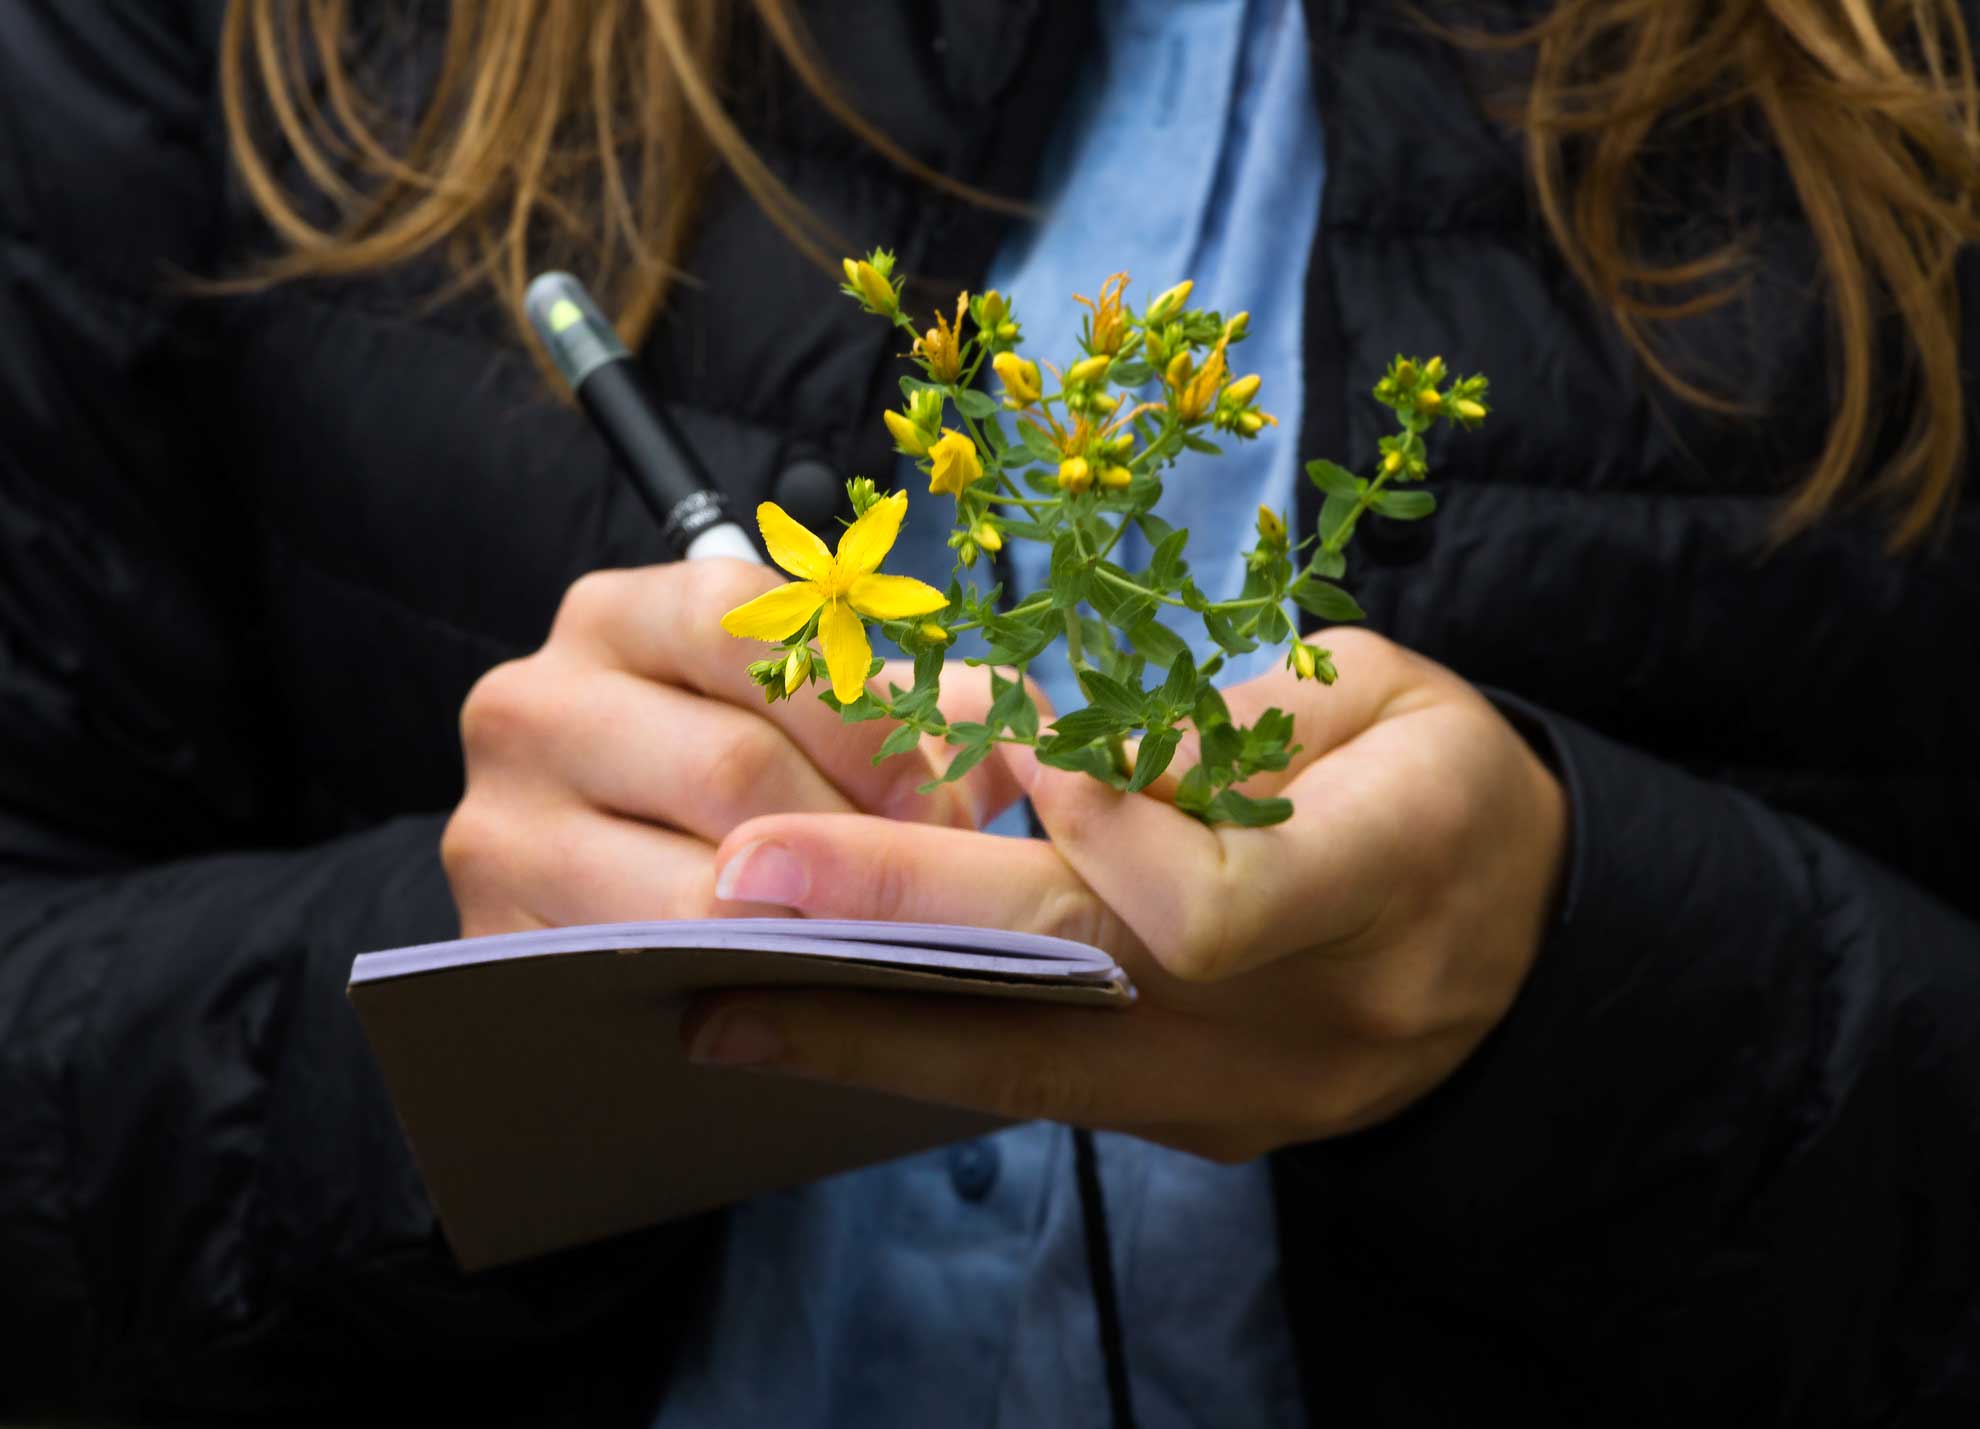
x=776 y=613
x=791 y=546
x=868 y=539
x=894 y=597
x=847 y=651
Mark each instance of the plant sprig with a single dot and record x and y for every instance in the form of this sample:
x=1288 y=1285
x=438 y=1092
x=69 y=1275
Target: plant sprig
x=1078 y=466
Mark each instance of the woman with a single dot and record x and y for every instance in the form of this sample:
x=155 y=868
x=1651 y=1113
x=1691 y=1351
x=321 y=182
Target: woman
x=1602 y=1042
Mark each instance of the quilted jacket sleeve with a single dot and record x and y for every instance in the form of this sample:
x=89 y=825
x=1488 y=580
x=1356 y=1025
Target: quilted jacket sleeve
x=204 y=1197
x=1721 y=1160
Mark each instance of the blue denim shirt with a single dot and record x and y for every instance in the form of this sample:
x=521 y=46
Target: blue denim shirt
x=951 y=1288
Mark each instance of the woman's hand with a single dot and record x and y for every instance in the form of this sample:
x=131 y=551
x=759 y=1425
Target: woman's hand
x=603 y=769
x=1296 y=981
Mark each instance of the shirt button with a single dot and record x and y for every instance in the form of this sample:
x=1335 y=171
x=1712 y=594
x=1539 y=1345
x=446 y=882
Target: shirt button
x=811 y=490
x=973 y=1169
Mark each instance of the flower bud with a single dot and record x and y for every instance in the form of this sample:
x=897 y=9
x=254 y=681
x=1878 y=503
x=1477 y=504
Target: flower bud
x=1237 y=327
x=1179 y=367
x=1406 y=373
x=933 y=633
x=1166 y=304
x=1020 y=378
x=1250 y=423
x=1469 y=410
x=1116 y=478
x=988 y=537
x=1271 y=527
x=1433 y=370
x=1243 y=390
x=878 y=292
x=966 y=553
x=797 y=668
x=954 y=465
x=1392 y=463
x=862 y=494
x=1006 y=332
x=1092 y=369
x=1302 y=661
x=1074 y=474
x=907 y=436
x=1104 y=402
x=1429 y=399
x=991 y=309
x=925 y=407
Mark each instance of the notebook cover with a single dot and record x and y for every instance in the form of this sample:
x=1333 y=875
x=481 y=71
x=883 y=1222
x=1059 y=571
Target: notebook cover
x=540 y=1080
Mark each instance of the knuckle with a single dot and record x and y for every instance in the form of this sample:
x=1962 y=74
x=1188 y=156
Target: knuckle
x=735 y=763
x=470 y=846
x=588 y=602
x=1079 y=916
x=499 y=712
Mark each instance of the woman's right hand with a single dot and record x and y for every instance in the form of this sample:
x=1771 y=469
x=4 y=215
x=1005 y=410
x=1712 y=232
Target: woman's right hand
x=603 y=770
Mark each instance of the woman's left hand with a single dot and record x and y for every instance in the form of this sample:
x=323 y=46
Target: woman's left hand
x=1297 y=981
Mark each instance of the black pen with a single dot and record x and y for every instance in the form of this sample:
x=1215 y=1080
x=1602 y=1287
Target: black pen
x=662 y=467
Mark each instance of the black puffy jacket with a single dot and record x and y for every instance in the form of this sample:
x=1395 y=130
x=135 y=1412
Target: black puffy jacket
x=1721 y=1163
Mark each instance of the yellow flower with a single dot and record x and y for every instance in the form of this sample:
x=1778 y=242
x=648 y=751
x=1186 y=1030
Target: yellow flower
x=1020 y=378
x=956 y=464
x=845 y=585
x=910 y=438
x=872 y=286
x=1090 y=369
x=941 y=346
x=1196 y=395
x=1164 y=307
x=1109 y=323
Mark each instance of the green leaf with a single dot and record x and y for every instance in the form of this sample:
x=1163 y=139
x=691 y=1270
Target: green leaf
x=1178 y=691
x=899 y=742
x=1334 y=512
x=1273 y=626
x=972 y=403
x=1197 y=444
x=971 y=756
x=1038 y=443
x=1193 y=794
x=1329 y=602
x=1166 y=567
x=1220 y=629
x=1110 y=695
x=912 y=385
x=1154 y=530
x=1045 y=483
x=1011 y=707
x=859 y=711
x=1085 y=726
x=1083 y=758
x=1129 y=374
x=1331 y=564
x=1153 y=757
x=1405 y=505
x=1334 y=480
x=1124 y=608
x=1235 y=808
x=1210 y=708
x=1069 y=571
x=1161 y=645
x=995 y=437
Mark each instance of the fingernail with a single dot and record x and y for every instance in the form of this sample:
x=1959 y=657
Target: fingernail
x=735 y=1039
x=763 y=872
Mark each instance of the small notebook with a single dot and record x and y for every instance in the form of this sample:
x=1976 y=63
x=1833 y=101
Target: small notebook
x=540 y=1079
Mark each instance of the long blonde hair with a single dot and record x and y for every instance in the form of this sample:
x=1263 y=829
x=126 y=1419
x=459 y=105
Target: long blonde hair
x=589 y=127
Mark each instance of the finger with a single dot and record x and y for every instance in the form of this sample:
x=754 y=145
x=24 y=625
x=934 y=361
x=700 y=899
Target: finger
x=581 y=866
x=1094 y=1067
x=855 y=866
x=663 y=623
x=1212 y=902
x=653 y=752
